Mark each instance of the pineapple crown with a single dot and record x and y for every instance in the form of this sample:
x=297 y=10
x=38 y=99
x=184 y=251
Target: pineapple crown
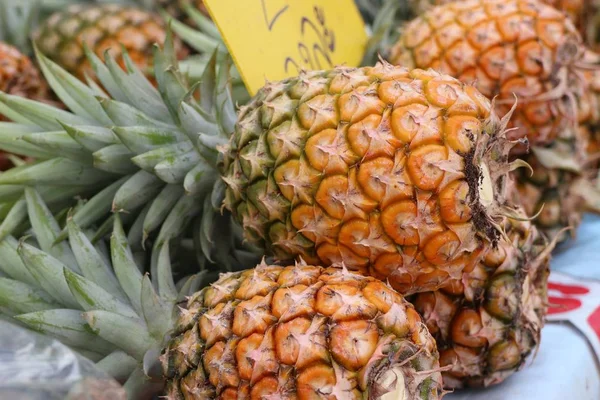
x=16 y=21
x=147 y=152
x=112 y=314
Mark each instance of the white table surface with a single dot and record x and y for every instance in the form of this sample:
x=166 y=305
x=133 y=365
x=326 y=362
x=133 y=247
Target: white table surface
x=565 y=367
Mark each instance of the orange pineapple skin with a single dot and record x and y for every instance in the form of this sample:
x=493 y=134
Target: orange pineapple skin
x=574 y=9
x=488 y=322
x=506 y=48
x=107 y=27
x=377 y=168
x=298 y=332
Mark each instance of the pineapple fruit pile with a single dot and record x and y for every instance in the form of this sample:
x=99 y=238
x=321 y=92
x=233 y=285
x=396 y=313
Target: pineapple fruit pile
x=390 y=196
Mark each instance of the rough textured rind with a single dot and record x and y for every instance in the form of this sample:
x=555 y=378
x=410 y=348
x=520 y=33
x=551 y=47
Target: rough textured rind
x=583 y=13
x=377 y=168
x=299 y=332
x=528 y=49
x=576 y=10
x=488 y=322
x=104 y=27
x=521 y=47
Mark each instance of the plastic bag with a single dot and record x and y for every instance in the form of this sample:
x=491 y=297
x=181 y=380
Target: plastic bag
x=36 y=367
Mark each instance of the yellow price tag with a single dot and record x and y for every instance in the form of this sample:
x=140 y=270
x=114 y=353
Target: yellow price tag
x=275 y=39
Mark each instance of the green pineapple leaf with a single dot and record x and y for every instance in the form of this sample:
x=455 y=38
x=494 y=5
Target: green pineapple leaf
x=12 y=265
x=129 y=334
x=48 y=272
x=160 y=208
x=116 y=159
x=73 y=93
x=21 y=298
x=95 y=208
x=12 y=140
x=127 y=271
x=164 y=275
x=159 y=316
x=46 y=230
x=135 y=236
x=93 y=138
x=138 y=190
x=92 y=297
x=43 y=115
x=118 y=364
x=68 y=326
x=93 y=266
x=60 y=144
x=57 y=171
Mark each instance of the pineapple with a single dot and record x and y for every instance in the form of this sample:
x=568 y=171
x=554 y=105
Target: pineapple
x=399 y=174
x=490 y=43
x=378 y=168
x=102 y=28
x=488 y=322
x=523 y=48
x=576 y=10
x=297 y=332
x=584 y=14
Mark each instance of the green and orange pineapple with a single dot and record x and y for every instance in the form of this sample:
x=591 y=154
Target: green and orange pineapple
x=301 y=332
x=577 y=10
x=297 y=332
x=487 y=322
x=102 y=28
x=389 y=171
x=527 y=49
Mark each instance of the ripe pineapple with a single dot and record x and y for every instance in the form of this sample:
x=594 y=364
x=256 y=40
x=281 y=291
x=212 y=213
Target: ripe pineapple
x=488 y=322
x=492 y=44
x=584 y=14
x=397 y=173
x=383 y=182
x=576 y=10
x=521 y=47
x=102 y=28
x=288 y=332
